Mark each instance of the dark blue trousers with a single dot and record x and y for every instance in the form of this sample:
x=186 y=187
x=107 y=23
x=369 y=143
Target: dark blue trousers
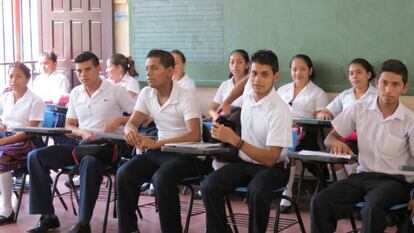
x=260 y=181
x=379 y=191
x=39 y=163
x=166 y=170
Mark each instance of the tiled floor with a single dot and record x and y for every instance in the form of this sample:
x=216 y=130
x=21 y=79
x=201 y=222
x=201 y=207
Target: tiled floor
x=150 y=223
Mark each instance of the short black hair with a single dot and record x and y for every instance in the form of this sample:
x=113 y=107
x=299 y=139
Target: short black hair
x=179 y=53
x=365 y=64
x=87 y=56
x=166 y=59
x=394 y=66
x=308 y=62
x=266 y=57
x=22 y=67
x=50 y=55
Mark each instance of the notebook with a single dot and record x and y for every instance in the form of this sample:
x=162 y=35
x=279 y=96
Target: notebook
x=324 y=154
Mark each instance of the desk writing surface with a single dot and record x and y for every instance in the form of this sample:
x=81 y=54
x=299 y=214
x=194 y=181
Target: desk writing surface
x=316 y=158
x=43 y=130
x=312 y=121
x=194 y=151
x=406 y=168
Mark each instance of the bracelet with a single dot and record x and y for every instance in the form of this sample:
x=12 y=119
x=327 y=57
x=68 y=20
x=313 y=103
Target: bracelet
x=240 y=144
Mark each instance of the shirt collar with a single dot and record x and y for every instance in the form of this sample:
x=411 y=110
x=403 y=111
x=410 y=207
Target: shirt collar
x=398 y=114
x=173 y=96
x=265 y=101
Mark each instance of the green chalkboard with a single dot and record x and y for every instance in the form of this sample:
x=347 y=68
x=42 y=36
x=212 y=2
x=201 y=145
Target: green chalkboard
x=331 y=32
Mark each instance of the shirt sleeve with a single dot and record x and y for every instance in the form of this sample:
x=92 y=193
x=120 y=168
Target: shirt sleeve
x=321 y=100
x=218 y=98
x=280 y=129
x=125 y=100
x=345 y=123
x=133 y=86
x=190 y=106
x=71 y=106
x=142 y=101
x=37 y=110
x=336 y=106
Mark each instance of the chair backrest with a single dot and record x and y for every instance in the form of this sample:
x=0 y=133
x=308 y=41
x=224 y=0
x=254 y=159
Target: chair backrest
x=294 y=141
x=55 y=116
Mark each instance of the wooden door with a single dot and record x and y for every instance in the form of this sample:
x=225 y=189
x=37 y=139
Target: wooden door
x=72 y=26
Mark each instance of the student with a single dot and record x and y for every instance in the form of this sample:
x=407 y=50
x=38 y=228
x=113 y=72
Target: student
x=360 y=73
x=94 y=106
x=121 y=70
x=385 y=131
x=305 y=100
x=239 y=67
x=261 y=165
x=20 y=108
x=50 y=85
x=179 y=75
x=178 y=118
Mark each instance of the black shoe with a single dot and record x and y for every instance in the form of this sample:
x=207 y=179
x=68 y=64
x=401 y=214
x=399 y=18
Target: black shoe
x=80 y=227
x=67 y=184
x=4 y=220
x=45 y=224
x=285 y=209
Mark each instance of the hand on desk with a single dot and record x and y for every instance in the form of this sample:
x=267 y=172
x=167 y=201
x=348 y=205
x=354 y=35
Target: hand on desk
x=141 y=142
x=339 y=147
x=224 y=134
x=323 y=116
x=86 y=134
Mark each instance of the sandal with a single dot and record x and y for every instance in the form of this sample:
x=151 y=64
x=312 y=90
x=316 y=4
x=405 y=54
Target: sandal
x=4 y=220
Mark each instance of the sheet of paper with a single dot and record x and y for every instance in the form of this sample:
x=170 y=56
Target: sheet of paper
x=196 y=145
x=320 y=153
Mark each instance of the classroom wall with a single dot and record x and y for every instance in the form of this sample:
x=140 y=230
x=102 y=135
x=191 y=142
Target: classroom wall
x=124 y=37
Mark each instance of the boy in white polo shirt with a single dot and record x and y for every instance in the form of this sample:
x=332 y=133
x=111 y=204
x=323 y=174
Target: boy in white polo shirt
x=178 y=118
x=95 y=106
x=385 y=131
x=266 y=129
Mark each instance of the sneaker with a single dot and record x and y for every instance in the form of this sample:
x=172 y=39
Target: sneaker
x=7 y=220
x=45 y=224
x=76 y=182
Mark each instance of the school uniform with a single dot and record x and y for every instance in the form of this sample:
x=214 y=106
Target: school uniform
x=347 y=98
x=384 y=145
x=273 y=129
x=50 y=87
x=187 y=83
x=17 y=114
x=107 y=103
x=165 y=170
x=309 y=100
x=129 y=82
x=224 y=91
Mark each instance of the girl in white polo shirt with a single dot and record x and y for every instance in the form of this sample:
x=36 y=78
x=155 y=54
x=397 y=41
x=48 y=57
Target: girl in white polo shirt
x=21 y=108
x=305 y=100
x=360 y=73
x=121 y=70
x=50 y=85
x=239 y=67
x=180 y=76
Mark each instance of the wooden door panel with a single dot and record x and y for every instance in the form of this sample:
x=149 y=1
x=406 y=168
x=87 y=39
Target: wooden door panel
x=73 y=26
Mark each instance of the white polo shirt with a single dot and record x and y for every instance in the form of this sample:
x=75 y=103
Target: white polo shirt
x=310 y=99
x=224 y=91
x=265 y=123
x=107 y=103
x=187 y=83
x=129 y=82
x=384 y=144
x=50 y=88
x=29 y=107
x=347 y=98
x=171 y=117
